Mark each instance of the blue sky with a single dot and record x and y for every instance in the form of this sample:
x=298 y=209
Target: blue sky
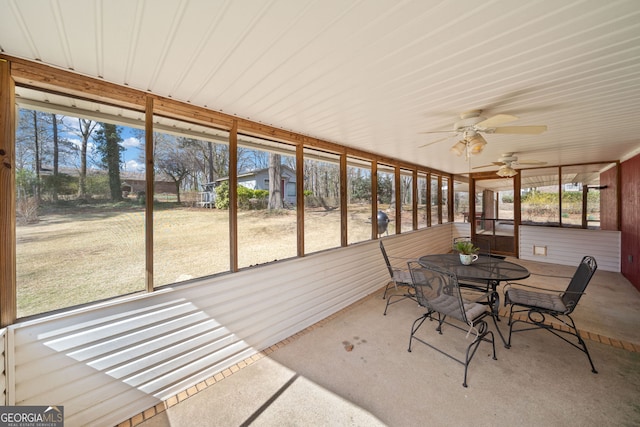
x=132 y=149
x=131 y=144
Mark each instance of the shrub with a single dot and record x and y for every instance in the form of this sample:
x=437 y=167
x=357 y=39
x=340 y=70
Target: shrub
x=247 y=198
x=27 y=210
x=26 y=182
x=244 y=197
x=222 y=195
x=64 y=183
x=98 y=186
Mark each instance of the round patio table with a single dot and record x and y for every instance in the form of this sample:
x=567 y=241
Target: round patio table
x=485 y=269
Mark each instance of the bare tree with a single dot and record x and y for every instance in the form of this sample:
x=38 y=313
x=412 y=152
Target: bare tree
x=33 y=146
x=251 y=160
x=170 y=159
x=275 y=176
x=36 y=142
x=85 y=129
x=209 y=160
x=56 y=157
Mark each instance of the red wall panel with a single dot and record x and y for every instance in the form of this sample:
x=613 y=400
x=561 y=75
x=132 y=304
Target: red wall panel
x=630 y=220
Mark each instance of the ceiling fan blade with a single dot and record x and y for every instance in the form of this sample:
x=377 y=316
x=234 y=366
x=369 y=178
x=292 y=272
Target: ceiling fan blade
x=436 y=141
x=521 y=130
x=436 y=131
x=531 y=162
x=491 y=165
x=497 y=120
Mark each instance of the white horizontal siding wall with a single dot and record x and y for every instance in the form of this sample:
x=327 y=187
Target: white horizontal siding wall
x=114 y=360
x=567 y=246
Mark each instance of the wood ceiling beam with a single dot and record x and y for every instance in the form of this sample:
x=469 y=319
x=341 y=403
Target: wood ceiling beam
x=36 y=74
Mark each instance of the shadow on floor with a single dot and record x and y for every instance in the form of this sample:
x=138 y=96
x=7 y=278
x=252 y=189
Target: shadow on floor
x=354 y=369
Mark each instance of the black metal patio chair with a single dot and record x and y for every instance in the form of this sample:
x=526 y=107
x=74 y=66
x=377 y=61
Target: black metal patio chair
x=399 y=279
x=538 y=303
x=439 y=292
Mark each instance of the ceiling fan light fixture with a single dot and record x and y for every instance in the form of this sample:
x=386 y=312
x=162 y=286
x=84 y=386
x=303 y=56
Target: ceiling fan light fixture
x=506 y=171
x=476 y=144
x=458 y=148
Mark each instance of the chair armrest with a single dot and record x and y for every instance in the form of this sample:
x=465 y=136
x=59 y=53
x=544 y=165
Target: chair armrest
x=406 y=268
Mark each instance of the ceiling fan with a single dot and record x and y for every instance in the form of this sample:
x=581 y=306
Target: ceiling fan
x=506 y=163
x=472 y=125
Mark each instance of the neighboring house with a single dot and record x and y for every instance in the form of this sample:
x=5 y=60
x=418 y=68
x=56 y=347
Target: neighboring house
x=255 y=180
x=135 y=183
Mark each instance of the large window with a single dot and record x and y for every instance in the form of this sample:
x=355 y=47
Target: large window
x=569 y=196
x=422 y=200
x=267 y=226
x=445 y=199
x=358 y=200
x=406 y=199
x=80 y=232
x=322 y=222
x=387 y=195
x=82 y=198
x=190 y=220
x=539 y=196
x=435 y=204
x=581 y=195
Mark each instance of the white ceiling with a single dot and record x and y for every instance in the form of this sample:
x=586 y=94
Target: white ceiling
x=370 y=74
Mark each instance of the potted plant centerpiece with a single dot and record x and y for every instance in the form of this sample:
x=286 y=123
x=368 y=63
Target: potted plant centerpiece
x=467 y=250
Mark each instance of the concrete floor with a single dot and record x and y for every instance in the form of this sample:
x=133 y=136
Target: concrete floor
x=353 y=369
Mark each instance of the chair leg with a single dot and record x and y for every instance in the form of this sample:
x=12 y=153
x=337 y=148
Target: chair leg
x=537 y=319
x=510 y=324
x=483 y=334
x=414 y=327
x=384 y=296
x=584 y=346
x=441 y=320
x=408 y=294
x=474 y=345
x=387 y=305
x=580 y=341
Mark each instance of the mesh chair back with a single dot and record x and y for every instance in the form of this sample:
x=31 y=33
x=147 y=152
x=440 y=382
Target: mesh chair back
x=386 y=259
x=438 y=290
x=579 y=282
x=483 y=244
